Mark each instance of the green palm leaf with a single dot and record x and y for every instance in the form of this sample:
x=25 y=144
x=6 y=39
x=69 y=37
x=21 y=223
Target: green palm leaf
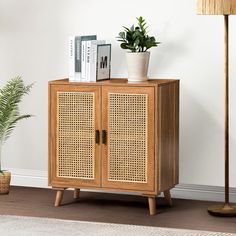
x=10 y=97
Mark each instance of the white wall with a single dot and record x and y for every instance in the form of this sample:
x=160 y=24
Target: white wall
x=33 y=43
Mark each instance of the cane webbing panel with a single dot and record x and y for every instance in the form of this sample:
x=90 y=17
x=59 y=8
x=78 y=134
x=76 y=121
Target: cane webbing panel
x=127 y=135
x=75 y=135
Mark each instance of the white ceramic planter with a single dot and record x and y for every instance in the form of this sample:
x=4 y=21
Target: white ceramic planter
x=137 y=63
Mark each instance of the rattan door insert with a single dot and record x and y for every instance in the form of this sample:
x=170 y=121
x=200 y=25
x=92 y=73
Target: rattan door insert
x=77 y=153
x=128 y=153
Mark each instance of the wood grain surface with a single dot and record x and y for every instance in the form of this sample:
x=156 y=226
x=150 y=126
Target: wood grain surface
x=216 y=7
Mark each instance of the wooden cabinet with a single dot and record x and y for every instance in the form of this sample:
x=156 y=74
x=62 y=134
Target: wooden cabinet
x=114 y=135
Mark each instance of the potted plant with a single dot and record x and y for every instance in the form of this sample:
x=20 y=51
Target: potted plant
x=10 y=97
x=137 y=40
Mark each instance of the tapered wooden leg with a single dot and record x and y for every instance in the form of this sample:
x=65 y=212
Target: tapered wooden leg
x=76 y=193
x=167 y=196
x=59 y=197
x=152 y=205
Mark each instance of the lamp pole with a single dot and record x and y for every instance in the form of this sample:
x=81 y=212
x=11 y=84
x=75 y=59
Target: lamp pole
x=225 y=8
x=226 y=36
x=226 y=209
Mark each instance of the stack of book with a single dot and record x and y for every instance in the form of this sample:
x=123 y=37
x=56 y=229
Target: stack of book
x=89 y=59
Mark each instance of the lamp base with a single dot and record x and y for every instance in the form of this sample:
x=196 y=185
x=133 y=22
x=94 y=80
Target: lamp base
x=222 y=210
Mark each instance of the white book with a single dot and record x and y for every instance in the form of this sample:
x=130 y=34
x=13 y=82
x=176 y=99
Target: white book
x=88 y=58
x=93 y=59
x=71 y=58
x=83 y=60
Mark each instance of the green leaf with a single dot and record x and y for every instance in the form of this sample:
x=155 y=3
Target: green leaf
x=132 y=28
x=127 y=29
x=123 y=45
x=10 y=97
x=136 y=38
x=122 y=34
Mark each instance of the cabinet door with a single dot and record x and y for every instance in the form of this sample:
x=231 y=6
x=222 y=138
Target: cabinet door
x=74 y=125
x=128 y=148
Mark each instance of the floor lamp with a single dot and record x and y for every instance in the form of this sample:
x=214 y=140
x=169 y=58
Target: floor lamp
x=225 y=8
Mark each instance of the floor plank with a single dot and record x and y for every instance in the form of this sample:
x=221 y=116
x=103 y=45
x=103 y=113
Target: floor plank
x=113 y=208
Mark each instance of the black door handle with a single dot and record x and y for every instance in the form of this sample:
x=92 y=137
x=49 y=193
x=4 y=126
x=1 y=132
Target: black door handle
x=104 y=136
x=97 y=136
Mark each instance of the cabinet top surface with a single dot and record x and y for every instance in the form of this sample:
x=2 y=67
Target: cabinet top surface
x=116 y=82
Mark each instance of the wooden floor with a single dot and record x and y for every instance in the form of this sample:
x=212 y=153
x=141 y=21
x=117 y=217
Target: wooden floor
x=113 y=208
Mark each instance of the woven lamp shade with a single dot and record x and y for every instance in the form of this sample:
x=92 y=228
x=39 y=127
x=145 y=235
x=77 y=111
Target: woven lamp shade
x=216 y=7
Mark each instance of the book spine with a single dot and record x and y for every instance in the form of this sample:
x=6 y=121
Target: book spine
x=77 y=58
x=71 y=58
x=93 y=63
x=83 y=61
x=83 y=52
x=88 y=59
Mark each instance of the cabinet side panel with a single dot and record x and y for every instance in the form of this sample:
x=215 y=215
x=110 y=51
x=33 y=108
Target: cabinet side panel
x=176 y=133
x=49 y=135
x=168 y=136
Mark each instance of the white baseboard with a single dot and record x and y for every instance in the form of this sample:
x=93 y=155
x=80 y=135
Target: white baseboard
x=39 y=179
x=202 y=192
x=28 y=178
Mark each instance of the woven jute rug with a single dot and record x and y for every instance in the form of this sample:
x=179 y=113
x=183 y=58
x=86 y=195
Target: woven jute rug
x=33 y=226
